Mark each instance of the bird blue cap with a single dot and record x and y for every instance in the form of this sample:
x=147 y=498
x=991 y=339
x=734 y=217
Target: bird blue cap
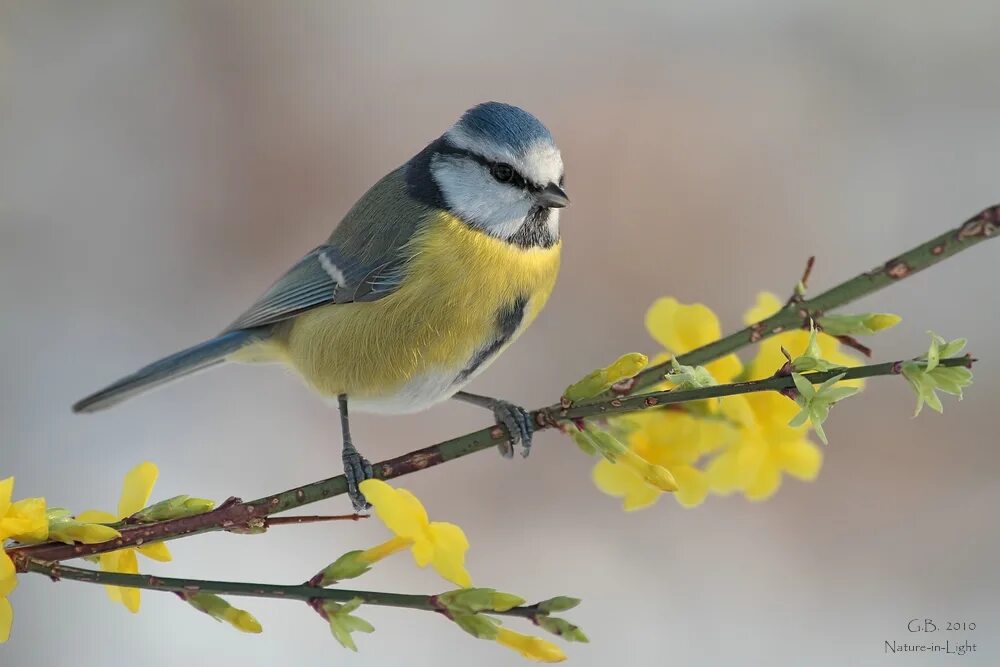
x=504 y=125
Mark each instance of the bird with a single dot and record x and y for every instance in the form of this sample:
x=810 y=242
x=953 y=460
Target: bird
x=428 y=278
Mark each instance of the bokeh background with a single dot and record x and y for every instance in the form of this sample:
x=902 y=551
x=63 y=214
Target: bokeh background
x=162 y=162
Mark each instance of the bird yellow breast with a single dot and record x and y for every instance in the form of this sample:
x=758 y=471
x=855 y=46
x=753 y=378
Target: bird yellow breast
x=443 y=313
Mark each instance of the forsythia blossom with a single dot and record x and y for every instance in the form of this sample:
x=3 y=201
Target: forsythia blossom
x=135 y=494
x=441 y=545
x=24 y=520
x=745 y=444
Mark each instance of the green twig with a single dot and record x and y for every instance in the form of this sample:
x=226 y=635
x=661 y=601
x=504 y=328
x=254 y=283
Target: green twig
x=301 y=592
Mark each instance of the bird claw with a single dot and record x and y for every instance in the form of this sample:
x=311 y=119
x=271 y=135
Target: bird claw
x=518 y=423
x=357 y=469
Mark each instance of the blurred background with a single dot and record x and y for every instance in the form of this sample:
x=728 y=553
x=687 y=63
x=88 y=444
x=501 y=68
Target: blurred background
x=161 y=163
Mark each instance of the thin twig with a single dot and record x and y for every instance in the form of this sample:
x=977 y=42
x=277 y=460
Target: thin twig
x=798 y=294
x=314 y=518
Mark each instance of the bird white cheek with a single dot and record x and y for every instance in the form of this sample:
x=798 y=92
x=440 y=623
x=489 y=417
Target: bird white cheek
x=477 y=197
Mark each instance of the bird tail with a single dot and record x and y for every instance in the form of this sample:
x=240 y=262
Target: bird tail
x=178 y=365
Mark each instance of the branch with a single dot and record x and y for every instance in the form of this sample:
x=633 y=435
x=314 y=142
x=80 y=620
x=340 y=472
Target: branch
x=779 y=383
x=796 y=314
x=237 y=516
x=301 y=592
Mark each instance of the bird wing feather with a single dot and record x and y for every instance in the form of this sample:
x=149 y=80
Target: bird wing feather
x=365 y=258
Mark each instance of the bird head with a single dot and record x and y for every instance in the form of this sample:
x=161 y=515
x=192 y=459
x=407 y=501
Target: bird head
x=498 y=169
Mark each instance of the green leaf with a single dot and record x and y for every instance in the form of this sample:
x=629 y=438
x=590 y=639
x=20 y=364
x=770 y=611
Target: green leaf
x=804 y=386
x=811 y=358
x=562 y=628
x=689 y=377
x=926 y=379
x=342 y=623
x=558 y=604
x=815 y=401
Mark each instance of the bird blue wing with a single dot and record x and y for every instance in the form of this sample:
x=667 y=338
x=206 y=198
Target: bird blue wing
x=324 y=276
x=365 y=258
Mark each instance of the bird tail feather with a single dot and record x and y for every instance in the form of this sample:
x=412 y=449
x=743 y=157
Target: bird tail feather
x=177 y=365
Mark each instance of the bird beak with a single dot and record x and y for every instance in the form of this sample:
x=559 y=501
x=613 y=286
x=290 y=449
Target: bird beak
x=552 y=196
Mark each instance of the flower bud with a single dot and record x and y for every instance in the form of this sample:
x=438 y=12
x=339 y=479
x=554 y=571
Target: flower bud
x=221 y=610
x=601 y=379
x=864 y=324
x=562 y=628
x=473 y=600
x=348 y=566
x=177 y=507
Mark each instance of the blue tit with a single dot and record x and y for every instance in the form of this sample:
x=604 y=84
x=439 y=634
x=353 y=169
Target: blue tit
x=428 y=278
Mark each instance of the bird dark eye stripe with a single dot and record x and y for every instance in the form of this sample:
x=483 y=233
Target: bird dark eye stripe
x=519 y=180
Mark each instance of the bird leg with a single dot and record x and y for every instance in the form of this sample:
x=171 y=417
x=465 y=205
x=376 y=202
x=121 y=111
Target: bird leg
x=356 y=467
x=514 y=417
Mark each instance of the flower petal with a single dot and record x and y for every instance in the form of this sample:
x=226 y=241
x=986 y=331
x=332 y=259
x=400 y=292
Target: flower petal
x=723 y=473
x=801 y=459
x=399 y=510
x=617 y=480
x=422 y=550
x=96 y=516
x=532 y=648
x=6 y=619
x=8 y=574
x=27 y=520
x=157 y=551
x=767 y=304
x=450 y=545
x=137 y=488
x=765 y=483
x=125 y=561
x=6 y=492
x=692 y=485
x=681 y=327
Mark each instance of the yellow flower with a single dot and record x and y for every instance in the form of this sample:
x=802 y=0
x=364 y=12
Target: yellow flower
x=767 y=447
x=671 y=439
x=674 y=440
x=680 y=328
x=441 y=545
x=135 y=495
x=532 y=648
x=23 y=520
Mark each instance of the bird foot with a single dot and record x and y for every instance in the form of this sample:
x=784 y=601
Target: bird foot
x=357 y=469
x=518 y=423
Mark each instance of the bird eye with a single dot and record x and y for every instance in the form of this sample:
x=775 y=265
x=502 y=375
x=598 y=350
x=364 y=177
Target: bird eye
x=502 y=172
